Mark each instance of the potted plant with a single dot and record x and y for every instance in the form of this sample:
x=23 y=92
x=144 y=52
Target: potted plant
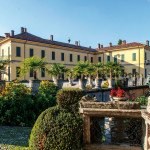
x=69 y=74
x=3 y=64
x=117 y=94
x=112 y=68
x=89 y=72
x=32 y=64
x=56 y=70
x=98 y=73
x=80 y=72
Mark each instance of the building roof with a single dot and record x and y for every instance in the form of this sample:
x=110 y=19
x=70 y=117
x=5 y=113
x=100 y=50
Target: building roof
x=1 y=37
x=116 y=47
x=30 y=37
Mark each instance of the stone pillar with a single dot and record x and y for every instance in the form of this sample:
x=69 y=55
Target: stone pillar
x=34 y=84
x=86 y=129
x=146 y=116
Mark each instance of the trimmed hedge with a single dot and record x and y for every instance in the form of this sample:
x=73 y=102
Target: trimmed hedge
x=56 y=129
x=69 y=99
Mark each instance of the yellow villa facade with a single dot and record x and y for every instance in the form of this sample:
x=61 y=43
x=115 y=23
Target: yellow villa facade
x=133 y=56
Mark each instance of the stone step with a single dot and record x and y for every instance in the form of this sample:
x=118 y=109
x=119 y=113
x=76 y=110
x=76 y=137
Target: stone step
x=110 y=147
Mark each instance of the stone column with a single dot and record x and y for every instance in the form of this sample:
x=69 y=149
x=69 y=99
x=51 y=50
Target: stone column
x=146 y=116
x=86 y=129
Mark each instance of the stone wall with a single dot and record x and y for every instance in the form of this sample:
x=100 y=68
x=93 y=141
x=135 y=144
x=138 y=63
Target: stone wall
x=103 y=94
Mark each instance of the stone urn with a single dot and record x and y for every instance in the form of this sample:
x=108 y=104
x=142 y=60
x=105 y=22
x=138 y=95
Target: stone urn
x=114 y=98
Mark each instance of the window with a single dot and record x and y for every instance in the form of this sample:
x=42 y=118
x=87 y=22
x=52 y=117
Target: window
x=108 y=58
x=18 y=51
x=31 y=52
x=62 y=56
x=42 y=72
x=145 y=73
x=42 y=53
x=53 y=55
x=71 y=57
x=115 y=58
x=145 y=56
x=91 y=59
x=8 y=51
x=134 y=57
x=78 y=58
x=17 y=71
x=99 y=59
x=133 y=72
x=85 y=58
x=122 y=58
x=31 y=73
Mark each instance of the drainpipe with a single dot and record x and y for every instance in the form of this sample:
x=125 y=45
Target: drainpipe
x=139 y=62
x=24 y=53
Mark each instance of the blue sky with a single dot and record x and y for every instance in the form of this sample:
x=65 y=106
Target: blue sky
x=89 y=21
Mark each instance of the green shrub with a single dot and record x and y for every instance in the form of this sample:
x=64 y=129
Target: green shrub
x=69 y=99
x=143 y=100
x=16 y=105
x=47 y=87
x=45 y=98
x=56 y=129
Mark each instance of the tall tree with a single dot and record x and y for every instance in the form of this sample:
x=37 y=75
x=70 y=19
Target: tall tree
x=120 y=42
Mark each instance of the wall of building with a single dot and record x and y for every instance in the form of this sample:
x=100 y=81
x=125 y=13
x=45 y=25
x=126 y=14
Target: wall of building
x=128 y=63
x=25 y=53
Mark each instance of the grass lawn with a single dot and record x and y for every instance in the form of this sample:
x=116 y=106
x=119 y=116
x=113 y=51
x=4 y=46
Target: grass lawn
x=14 y=138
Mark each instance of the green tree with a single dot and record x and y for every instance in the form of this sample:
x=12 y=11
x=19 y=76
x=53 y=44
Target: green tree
x=56 y=70
x=112 y=68
x=3 y=64
x=89 y=72
x=69 y=74
x=32 y=64
x=99 y=67
x=119 y=42
x=80 y=71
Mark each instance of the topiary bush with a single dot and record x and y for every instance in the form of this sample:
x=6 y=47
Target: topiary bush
x=16 y=105
x=56 y=129
x=69 y=99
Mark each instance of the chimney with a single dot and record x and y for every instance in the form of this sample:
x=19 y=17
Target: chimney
x=12 y=33
x=51 y=37
x=124 y=42
x=110 y=44
x=99 y=45
x=147 y=43
x=22 y=29
x=76 y=43
x=7 y=35
x=25 y=29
